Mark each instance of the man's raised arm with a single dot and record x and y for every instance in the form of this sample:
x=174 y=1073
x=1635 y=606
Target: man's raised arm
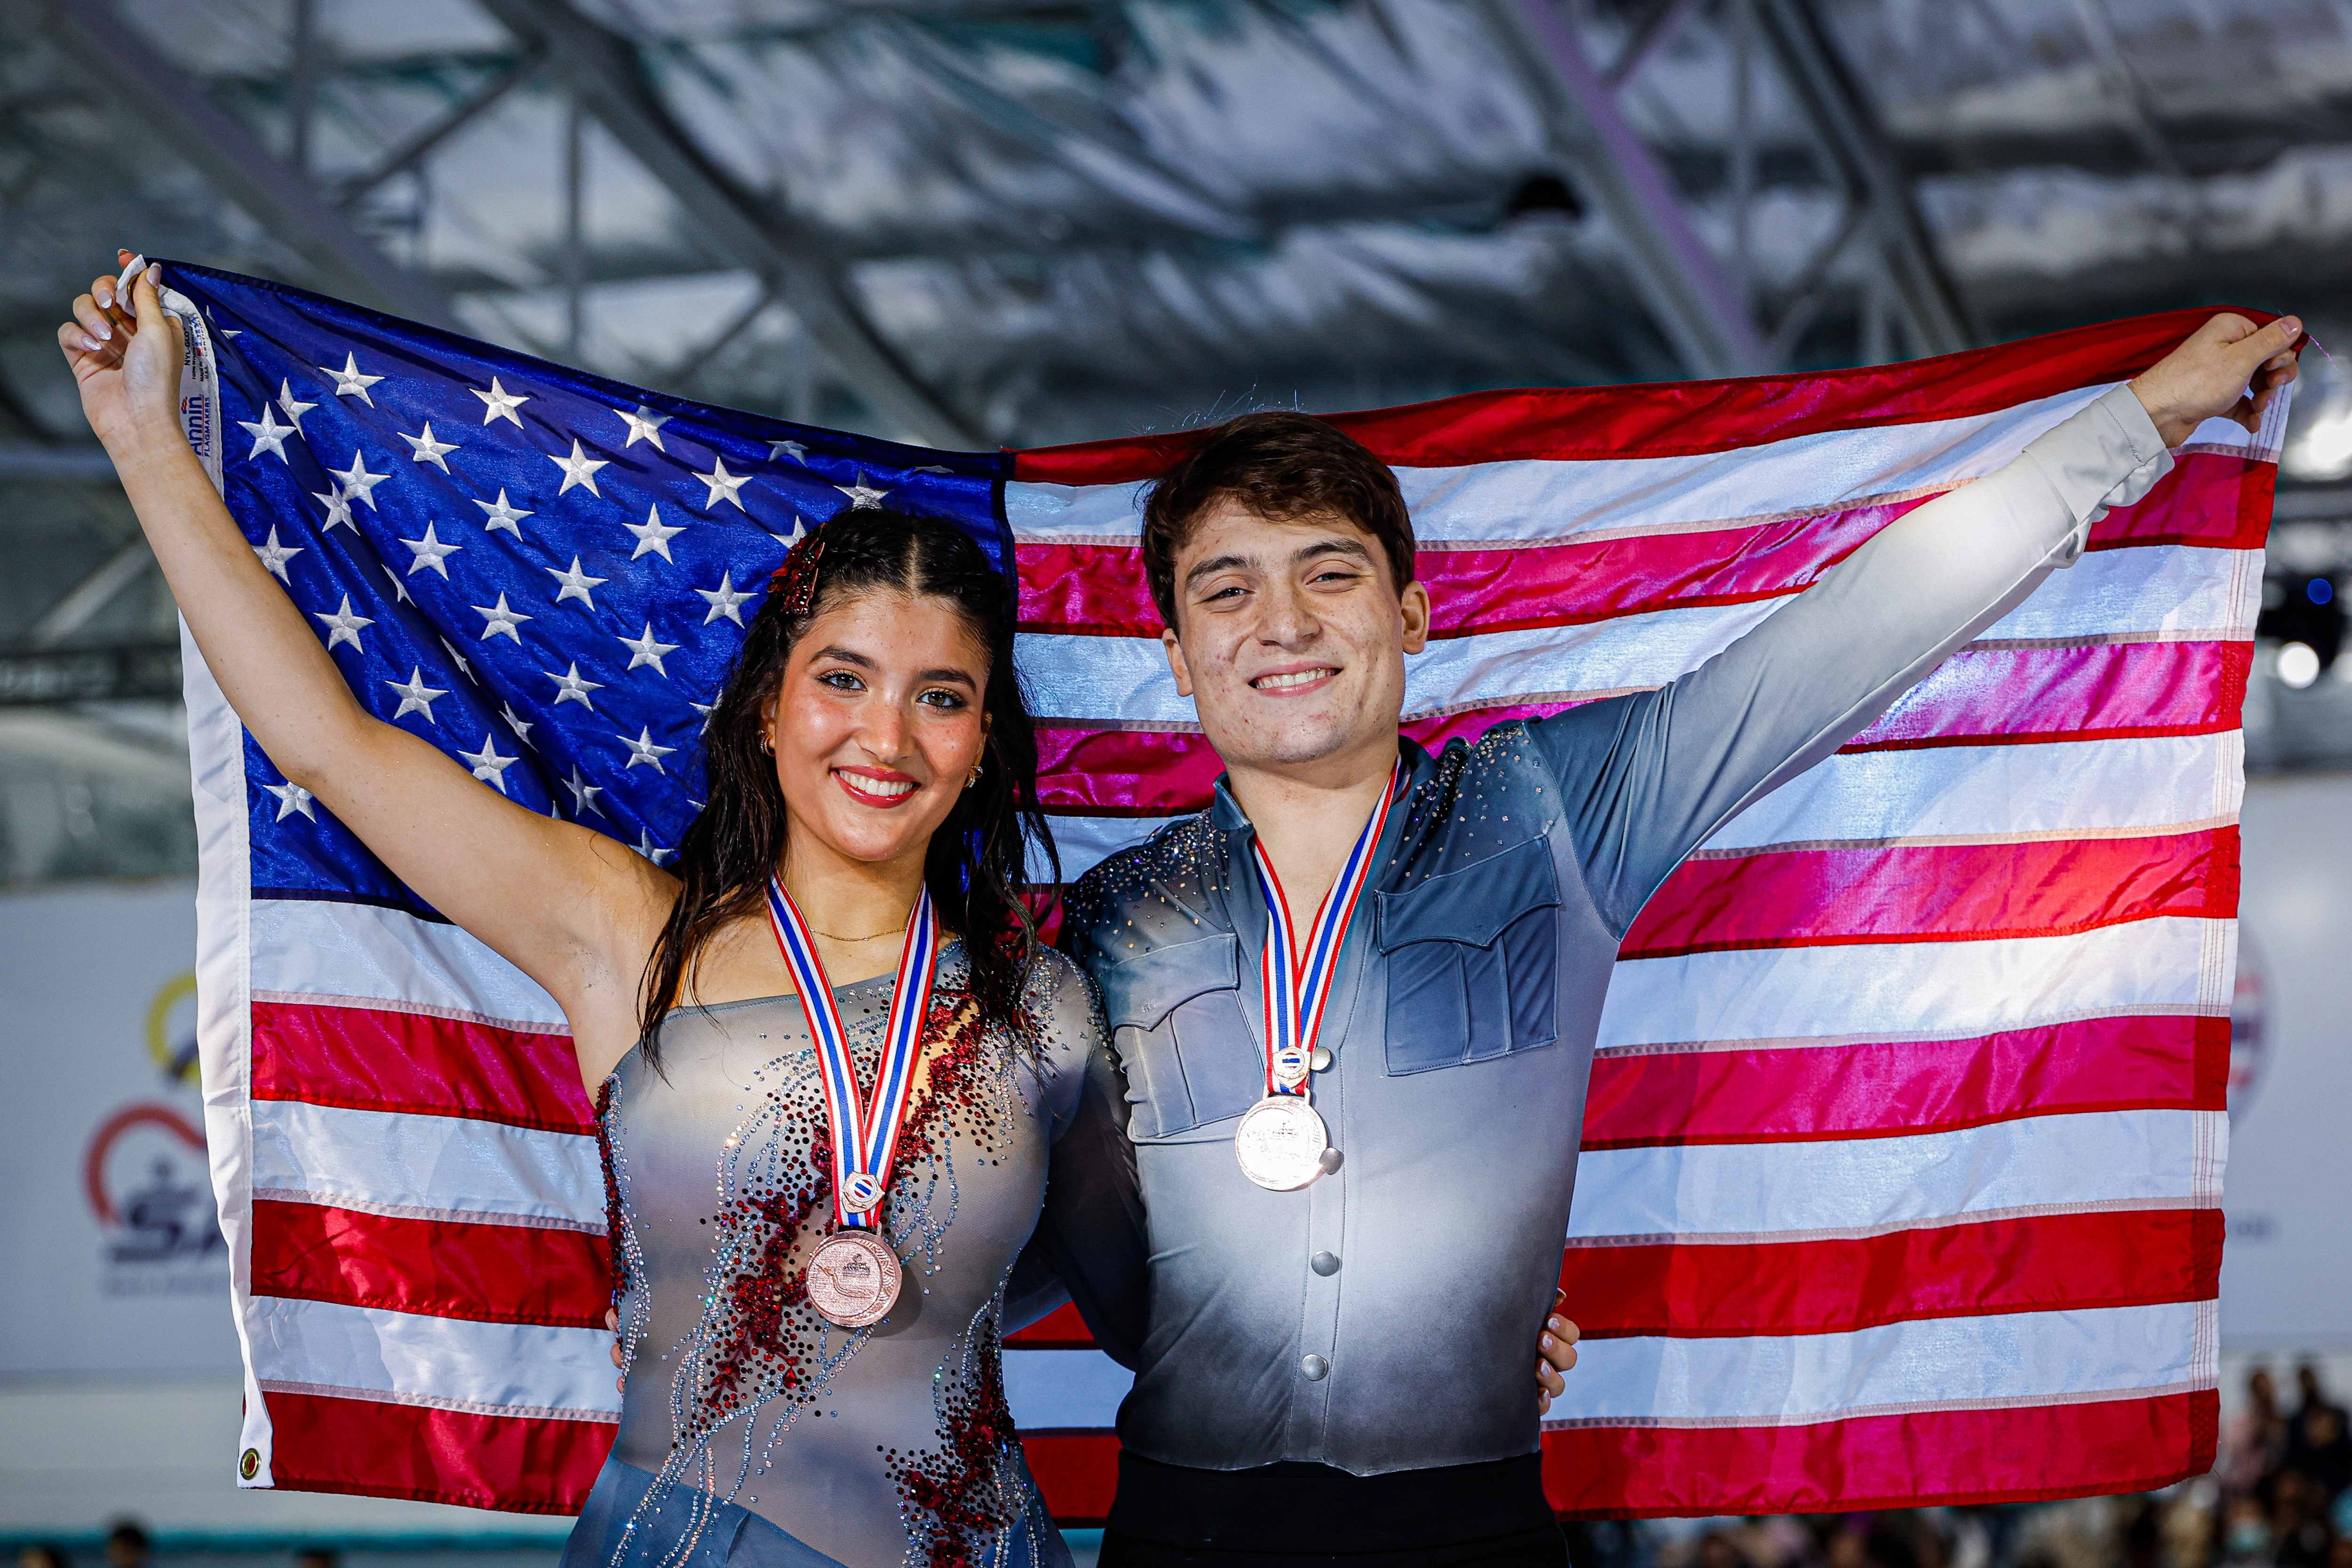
x=1646 y=779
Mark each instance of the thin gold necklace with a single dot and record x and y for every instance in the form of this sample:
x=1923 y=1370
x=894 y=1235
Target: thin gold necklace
x=893 y=931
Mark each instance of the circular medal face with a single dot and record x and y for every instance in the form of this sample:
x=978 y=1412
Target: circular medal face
x=1280 y=1143
x=854 y=1279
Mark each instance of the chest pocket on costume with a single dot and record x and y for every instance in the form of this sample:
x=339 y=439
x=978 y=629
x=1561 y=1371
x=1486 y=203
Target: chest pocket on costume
x=1176 y=1017
x=1474 y=962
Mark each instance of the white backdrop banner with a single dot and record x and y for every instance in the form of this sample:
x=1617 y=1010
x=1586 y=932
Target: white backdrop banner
x=116 y=1264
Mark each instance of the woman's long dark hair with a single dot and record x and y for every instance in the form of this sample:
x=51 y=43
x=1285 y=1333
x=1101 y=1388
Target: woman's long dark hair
x=979 y=856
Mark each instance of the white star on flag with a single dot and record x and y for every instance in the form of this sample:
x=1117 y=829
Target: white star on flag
x=275 y=556
x=644 y=424
x=339 y=508
x=399 y=588
x=268 y=435
x=862 y=495
x=645 y=845
x=576 y=583
x=521 y=727
x=779 y=448
x=429 y=552
x=349 y=382
x=358 y=483
x=652 y=535
x=503 y=622
x=572 y=686
x=798 y=533
x=500 y=403
x=294 y=406
x=646 y=650
x=641 y=750
x=579 y=469
x=724 y=600
x=584 y=794
x=415 y=697
x=342 y=626
x=464 y=668
x=426 y=450
x=722 y=485
x=488 y=765
x=502 y=515
x=291 y=797
x=705 y=710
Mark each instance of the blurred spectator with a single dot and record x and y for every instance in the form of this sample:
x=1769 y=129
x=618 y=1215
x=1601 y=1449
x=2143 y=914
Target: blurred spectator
x=2315 y=1401
x=2299 y=1532
x=316 y=1557
x=40 y=1557
x=2245 y=1531
x=2325 y=1454
x=127 y=1546
x=2255 y=1440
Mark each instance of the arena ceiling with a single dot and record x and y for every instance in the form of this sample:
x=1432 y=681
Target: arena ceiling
x=975 y=222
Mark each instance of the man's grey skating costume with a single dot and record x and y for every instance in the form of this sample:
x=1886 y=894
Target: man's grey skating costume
x=1338 y=1325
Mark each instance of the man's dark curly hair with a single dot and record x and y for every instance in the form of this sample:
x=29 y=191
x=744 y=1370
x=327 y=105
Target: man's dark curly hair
x=1280 y=464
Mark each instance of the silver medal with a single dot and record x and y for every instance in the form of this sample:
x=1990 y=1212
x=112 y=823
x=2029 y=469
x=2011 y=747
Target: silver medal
x=1280 y=1143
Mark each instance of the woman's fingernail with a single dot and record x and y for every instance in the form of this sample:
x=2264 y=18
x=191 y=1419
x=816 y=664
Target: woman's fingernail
x=156 y=273
x=1554 y=1323
x=1547 y=1342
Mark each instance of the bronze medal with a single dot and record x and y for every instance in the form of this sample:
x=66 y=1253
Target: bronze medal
x=853 y=1278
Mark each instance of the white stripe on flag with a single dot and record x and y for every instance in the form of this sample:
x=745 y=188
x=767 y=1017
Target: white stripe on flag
x=1998 y=792
x=387 y=1160
x=2045 y=789
x=1943 y=989
x=1126 y=678
x=450 y=1362
x=1064 y=1388
x=321 y=948
x=1847 y=1185
x=2177 y=588
x=1495 y=502
x=1951 y=1363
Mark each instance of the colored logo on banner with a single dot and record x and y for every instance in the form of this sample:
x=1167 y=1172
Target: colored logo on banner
x=145 y=1175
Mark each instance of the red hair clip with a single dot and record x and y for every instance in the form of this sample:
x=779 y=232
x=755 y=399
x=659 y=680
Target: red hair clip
x=797 y=578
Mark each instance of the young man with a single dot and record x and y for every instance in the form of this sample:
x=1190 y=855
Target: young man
x=1309 y=1387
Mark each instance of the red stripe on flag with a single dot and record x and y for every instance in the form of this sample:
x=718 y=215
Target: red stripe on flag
x=368 y=1059
x=1077 y=1473
x=1908 y=1085
x=1098 y=589
x=2217 y=499
x=2003 y=696
x=370 y=1447
x=2045 y=1263
x=1939 y=1456
x=1678 y=418
x=1988 y=697
x=2044 y=887
x=1059 y=1330
x=442 y=1268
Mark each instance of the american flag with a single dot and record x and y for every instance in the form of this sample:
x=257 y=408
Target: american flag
x=1901 y=1170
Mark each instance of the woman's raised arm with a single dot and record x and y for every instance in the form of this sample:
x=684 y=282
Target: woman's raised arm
x=569 y=907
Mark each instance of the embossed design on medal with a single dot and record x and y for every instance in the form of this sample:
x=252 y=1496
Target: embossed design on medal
x=1282 y=1144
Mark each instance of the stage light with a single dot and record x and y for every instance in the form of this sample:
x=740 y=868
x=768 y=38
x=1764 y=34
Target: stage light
x=2320 y=590
x=2298 y=666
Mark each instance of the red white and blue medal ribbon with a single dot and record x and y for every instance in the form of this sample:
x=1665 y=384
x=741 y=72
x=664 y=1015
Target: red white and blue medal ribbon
x=865 y=1134
x=1298 y=979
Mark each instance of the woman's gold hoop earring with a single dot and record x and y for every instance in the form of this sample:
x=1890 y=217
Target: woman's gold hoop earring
x=768 y=744
x=972 y=777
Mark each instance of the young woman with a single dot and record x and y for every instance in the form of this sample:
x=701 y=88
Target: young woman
x=816 y=1342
